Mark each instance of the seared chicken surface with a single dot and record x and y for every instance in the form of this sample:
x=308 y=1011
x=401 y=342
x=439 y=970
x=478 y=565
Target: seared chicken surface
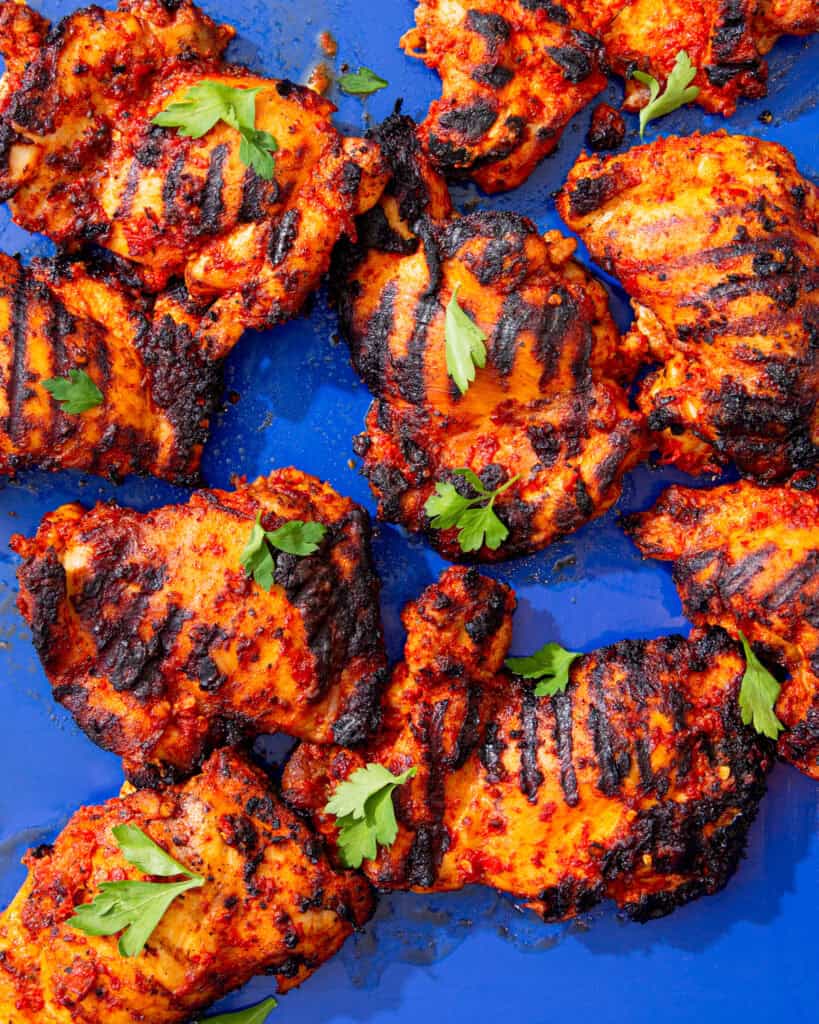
x=162 y=647
x=637 y=784
x=716 y=238
x=513 y=75
x=81 y=161
x=747 y=558
x=724 y=39
x=548 y=406
x=157 y=362
x=270 y=903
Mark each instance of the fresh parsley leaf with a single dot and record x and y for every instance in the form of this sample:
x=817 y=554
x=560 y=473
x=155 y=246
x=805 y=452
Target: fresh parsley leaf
x=550 y=665
x=135 y=908
x=141 y=851
x=253 y=1015
x=678 y=90
x=465 y=348
x=295 y=538
x=76 y=393
x=207 y=103
x=362 y=83
x=364 y=812
x=758 y=694
x=475 y=517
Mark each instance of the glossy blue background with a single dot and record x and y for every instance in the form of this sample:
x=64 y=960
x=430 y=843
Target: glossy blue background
x=748 y=953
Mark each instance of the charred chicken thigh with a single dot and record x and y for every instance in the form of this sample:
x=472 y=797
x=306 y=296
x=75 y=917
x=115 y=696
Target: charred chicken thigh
x=270 y=903
x=725 y=40
x=715 y=237
x=513 y=76
x=162 y=646
x=747 y=558
x=156 y=363
x=81 y=160
x=638 y=783
x=546 y=415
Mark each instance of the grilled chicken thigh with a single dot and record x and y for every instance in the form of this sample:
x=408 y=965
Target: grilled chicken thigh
x=548 y=405
x=724 y=39
x=81 y=161
x=715 y=238
x=513 y=76
x=162 y=647
x=638 y=783
x=156 y=361
x=270 y=903
x=747 y=558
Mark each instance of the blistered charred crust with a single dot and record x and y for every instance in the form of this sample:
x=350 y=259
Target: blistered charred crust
x=537 y=309
x=159 y=382
x=747 y=557
x=133 y=649
x=44 y=583
x=644 y=756
x=512 y=78
x=727 y=311
x=91 y=166
x=265 y=873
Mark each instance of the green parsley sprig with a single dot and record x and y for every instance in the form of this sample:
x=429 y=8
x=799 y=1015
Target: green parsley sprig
x=131 y=907
x=76 y=393
x=253 y=1015
x=465 y=344
x=207 y=103
x=364 y=812
x=295 y=538
x=475 y=517
x=362 y=82
x=678 y=90
x=758 y=694
x=550 y=664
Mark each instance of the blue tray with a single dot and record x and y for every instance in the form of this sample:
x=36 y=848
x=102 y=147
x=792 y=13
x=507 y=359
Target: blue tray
x=748 y=953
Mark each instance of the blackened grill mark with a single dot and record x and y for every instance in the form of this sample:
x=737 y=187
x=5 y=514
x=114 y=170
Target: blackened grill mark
x=492 y=27
x=409 y=371
x=212 y=202
x=170 y=188
x=468 y=733
x=134 y=665
x=575 y=64
x=491 y=752
x=60 y=326
x=494 y=75
x=253 y=197
x=340 y=616
x=555 y=324
x=611 y=768
x=370 y=353
x=17 y=387
x=282 y=237
x=200 y=664
x=471 y=123
x=787 y=588
x=431 y=840
x=562 y=708
x=554 y=12
x=489 y=619
x=643 y=748
x=131 y=181
x=719 y=75
x=530 y=775
x=589 y=194
x=742 y=572
x=729 y=34
x=545 y=443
